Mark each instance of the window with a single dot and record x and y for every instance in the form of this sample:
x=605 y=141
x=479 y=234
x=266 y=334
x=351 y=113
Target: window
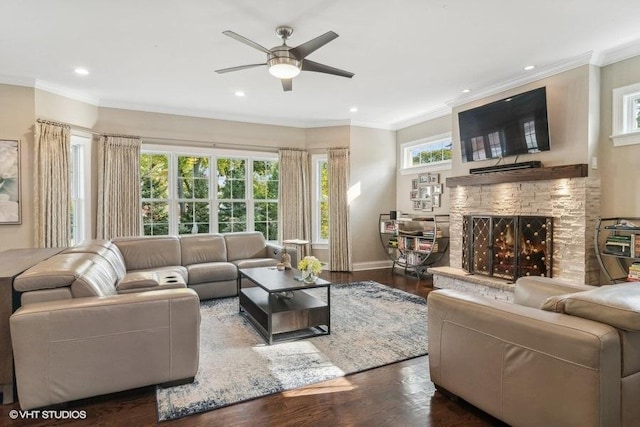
x=265 y=195
x=154 y=176
x=431 y=152
x=632 y=120
x=79 y=170
x=232 y=184
x=320 y=202
x=193 y=194
x=199 y=193
x=626 y=115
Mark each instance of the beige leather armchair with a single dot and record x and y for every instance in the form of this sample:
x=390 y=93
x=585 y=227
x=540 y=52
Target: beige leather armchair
x=531 y=367
x=75 y=348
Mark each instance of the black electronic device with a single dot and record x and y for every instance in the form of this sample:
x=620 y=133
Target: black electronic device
x=507 y=167
x=509 y=127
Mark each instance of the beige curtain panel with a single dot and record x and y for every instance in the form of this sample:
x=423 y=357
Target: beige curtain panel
x=53 y=191
x=295 y=202
x=339 y=219
x=118 y=187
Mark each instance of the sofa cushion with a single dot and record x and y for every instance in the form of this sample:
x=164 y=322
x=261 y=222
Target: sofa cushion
x=211 y=272
x=138 y=280
x=141 y=253
x=58 y=271
x=256 y=262
x=555 y=303
x=245 y=245
x=531 y=291
x=105 y=249
x=203 y=248
x=615 y=305
x=98 y=280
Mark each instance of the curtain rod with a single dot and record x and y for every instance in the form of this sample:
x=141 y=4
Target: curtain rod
x=51 y=122
x=114 y=135
x=171 y=141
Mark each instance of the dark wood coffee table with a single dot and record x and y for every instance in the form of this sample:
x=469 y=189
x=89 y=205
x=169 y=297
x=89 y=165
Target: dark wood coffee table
x=276 y=318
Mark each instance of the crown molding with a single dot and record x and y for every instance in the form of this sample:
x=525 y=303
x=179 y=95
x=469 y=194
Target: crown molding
x=521 y=80
x=380 y=126
x=17 y=80
x=215 y=115
x=423 y=117
x=66 y=92
x=617 y=54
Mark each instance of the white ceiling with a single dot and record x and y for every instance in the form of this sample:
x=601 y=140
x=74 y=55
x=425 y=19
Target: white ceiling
x=411 y=58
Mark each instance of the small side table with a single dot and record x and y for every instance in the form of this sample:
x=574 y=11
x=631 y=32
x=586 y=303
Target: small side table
x=301 y=246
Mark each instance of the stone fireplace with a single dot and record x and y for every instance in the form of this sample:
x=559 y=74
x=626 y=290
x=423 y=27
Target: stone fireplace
x=507 y=247
x=573 y=203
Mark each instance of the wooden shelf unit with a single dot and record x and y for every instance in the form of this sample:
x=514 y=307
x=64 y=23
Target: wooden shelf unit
x=414 y=243
x=615 y=265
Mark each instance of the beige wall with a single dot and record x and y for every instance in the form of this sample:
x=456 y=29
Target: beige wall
x=195 y=129
x=619 y=166
x=427 y=129
x=373 y=172
x=59 y=108
x=569 y=96
x=17 y=110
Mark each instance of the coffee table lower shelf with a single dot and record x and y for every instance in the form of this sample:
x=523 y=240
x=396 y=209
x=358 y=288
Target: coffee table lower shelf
x=280 y=320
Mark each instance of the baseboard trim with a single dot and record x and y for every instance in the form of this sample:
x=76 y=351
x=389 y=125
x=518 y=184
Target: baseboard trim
x=372 y=265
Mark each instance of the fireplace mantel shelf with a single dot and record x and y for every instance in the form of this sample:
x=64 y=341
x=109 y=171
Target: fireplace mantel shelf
x=535 y=174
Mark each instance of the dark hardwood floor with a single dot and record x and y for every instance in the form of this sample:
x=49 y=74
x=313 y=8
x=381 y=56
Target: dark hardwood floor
x=399 y=394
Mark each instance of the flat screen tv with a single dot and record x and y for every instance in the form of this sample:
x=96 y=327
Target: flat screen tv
x=509 y=127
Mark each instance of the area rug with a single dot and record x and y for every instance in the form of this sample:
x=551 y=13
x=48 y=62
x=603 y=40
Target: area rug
x=371 y=325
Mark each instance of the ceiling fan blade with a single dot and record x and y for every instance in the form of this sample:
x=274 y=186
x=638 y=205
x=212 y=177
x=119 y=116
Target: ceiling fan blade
x=321 y=68
x=246 y=41
x=238 y=68
x=307 y=48
x=287 y=84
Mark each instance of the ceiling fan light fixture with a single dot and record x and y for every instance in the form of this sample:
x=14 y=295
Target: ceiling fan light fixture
x=284 y=68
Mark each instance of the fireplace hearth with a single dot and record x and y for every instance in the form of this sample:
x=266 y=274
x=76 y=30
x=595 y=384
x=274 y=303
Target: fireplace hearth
x=507 y=247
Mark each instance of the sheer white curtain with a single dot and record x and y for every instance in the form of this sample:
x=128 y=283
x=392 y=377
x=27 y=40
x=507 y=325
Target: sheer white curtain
x=53 y=191
x=295 y=201
x=118 y=187
x=339 y=220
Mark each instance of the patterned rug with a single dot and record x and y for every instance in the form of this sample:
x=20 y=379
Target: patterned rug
x=371 y=325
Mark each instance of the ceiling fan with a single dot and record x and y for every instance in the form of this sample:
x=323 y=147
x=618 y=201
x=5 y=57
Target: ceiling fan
x=286 y=62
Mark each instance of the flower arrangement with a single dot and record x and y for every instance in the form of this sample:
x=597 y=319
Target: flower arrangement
x=310 y=264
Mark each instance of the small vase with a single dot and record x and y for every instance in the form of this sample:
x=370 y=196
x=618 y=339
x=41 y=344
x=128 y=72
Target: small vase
x=309 y=277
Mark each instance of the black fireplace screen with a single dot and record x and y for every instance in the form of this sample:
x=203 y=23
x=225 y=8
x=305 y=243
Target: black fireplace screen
x=507 y=246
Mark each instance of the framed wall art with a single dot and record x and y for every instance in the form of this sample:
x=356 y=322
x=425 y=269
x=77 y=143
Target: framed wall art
x=10 y=204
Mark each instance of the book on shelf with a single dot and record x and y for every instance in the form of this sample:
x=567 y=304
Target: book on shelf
x=634 y=272
x=623 y=225
x=618 y=245
x=388 y=227
x=635 y=246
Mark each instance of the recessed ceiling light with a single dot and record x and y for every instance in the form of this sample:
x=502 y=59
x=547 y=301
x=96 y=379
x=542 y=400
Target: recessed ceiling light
x=529 y=67
x=466 y=90
x=81 y=71
x=239 y=93
x=353 y=109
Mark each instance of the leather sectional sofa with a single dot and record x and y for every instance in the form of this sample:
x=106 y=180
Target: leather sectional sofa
x=560 y=355
x=107 y=316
